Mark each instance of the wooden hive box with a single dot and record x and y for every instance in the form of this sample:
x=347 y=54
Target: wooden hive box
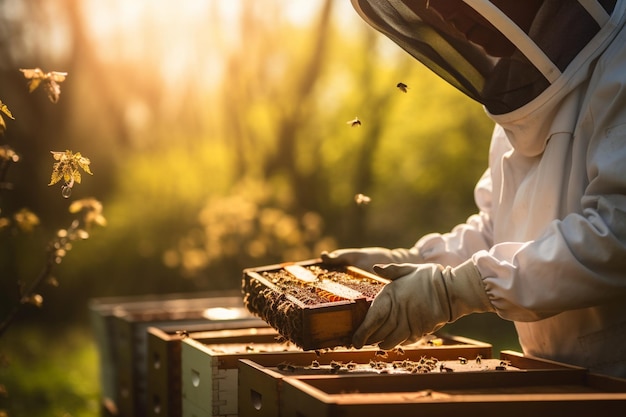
x=260 y=385
x=210 y=375
x=163 y=355
x=120 y=328
x=312 y=305
x=524 y=387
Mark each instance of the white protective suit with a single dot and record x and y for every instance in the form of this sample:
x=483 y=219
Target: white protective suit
x=550 y=236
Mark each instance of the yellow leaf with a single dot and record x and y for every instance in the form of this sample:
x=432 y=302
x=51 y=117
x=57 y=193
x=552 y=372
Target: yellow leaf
x=54 y=91
x=76 y=206
x=4 y=222
x=5 y=110
x=56 y=76
x=29 y=74
x=51 y=79
x=85 y=166
x=33 y=84
x=100 y=220
x=57 y=155
x=56 y=177
x=26 y=220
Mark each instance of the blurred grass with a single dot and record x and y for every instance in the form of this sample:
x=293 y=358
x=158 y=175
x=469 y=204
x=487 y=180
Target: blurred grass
x=488 y=328
x=49 y=372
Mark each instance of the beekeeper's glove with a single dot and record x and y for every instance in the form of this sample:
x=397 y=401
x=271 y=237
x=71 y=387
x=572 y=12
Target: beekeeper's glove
x=419 y=301
x=366 y=258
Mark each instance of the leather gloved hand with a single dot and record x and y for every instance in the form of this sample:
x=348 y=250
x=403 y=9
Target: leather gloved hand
x=366 y=258
x=419 y=301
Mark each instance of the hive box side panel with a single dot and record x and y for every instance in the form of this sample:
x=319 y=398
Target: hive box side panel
x=198 y=369
x=101 y=317
x=163 y=358
x=260 y=385
x=543 y=388
x=163 y=374
x=116 y=358
x=192 y=410
x=257 y=391
x=303 y=401
x=331 y=326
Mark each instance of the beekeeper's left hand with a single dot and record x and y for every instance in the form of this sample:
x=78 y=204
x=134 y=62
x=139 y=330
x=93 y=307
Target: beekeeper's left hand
x=419 y=301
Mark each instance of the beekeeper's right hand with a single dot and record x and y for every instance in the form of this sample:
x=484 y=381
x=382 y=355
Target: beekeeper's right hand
x=366 y=258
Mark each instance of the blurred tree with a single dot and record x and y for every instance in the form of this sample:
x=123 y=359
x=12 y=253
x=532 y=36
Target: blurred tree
x=193 y=112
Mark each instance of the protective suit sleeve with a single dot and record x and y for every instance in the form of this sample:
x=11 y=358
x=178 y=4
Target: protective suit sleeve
x=577 y=261
x=465 y=239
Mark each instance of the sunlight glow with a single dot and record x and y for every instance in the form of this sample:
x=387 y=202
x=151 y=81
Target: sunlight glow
x=176 y=40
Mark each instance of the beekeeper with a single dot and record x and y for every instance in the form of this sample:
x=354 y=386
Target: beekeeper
x=547 y=247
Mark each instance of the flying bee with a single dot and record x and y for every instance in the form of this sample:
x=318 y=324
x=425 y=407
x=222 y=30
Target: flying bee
x=402 y=87
x=354 y=122
x=50 y=81
x=362 y=199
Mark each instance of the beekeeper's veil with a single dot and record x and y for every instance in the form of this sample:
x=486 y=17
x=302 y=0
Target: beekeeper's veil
x=502 y=53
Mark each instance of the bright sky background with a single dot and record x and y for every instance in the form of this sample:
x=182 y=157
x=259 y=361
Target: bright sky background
x=184 y=34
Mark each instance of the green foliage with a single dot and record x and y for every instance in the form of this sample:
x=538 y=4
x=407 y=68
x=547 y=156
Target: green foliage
x=56 y=371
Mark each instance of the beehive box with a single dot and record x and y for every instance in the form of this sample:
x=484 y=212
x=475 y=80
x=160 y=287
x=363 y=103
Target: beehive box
x=311 y=304
x=164 y=384
x=210 y=370
x=260 y=386
x=520 y=386
x=120 y=330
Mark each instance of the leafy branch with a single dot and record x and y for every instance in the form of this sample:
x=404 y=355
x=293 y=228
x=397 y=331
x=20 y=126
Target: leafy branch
x=66 y=167
x=57 y=249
